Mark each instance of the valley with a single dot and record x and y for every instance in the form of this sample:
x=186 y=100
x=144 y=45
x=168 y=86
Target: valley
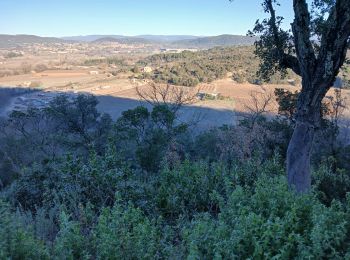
x=113 y=71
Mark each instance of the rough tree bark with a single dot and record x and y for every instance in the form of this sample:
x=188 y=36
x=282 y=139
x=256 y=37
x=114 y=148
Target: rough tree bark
x=318 y=68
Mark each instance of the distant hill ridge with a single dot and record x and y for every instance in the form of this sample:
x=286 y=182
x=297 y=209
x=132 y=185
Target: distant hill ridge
x=172 y=41
x=124 y=40
x=188 y=42
x=150 y=37
x=7 y=40
x=215 y=41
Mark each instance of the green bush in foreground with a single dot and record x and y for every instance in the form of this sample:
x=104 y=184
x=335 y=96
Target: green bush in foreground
x=271 y=222
x=146 y=188
x=125 y=234
x=17 y=241
x=262 y=221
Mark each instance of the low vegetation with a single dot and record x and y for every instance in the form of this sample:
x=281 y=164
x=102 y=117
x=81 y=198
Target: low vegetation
x=74 y=184
x=12 y=54
x=109 y=61
x=77 y=185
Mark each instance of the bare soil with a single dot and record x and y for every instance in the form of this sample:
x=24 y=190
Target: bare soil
x=117 y=94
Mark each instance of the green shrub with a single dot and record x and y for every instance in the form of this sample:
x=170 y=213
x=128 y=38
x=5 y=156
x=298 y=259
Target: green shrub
x=190 y=188
x=178 y=197
x=70 y=242
x=194 y=210
x=70 y=182
x=270 y=222
x=125 y=233
x=18 y=241
x=146 y=136
x=331 y=185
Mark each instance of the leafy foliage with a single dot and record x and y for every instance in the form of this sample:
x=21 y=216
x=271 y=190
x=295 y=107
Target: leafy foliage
x=270 y=222
x=264 y=220
x=156 y=192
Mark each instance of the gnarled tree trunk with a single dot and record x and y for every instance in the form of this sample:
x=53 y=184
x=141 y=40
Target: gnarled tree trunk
x=300 y=146
x=299 y=155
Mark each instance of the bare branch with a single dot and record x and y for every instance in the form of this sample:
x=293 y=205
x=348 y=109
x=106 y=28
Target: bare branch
x=259 y=104
x=173 y=96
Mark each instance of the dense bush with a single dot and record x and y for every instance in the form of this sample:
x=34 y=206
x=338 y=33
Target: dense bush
x=268 y=221
x=147 y=136
x=126 y=233
x=144 y=187
x=190 y=189
x=18 y=241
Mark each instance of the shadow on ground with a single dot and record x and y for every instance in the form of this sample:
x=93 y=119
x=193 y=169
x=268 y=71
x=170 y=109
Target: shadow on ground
x=200 y=116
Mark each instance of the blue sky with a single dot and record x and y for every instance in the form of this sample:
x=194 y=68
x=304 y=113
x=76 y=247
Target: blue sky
x=131 y=17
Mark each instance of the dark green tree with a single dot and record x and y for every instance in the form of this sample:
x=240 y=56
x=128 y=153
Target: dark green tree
x=315 y=49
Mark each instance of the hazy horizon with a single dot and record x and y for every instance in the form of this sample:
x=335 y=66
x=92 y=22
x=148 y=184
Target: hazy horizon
x=142 y=34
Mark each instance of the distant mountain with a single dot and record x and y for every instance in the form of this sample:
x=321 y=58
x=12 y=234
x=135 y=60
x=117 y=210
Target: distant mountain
x=9 y=41
x=167 y=38
x=169 y=41
x=90 y=38
x=180 y=41
x=214 y=41
x=124 y=40
x=153 y=38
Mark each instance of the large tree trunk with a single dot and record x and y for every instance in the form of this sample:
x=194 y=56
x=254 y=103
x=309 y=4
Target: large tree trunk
x=308 y=116
x=298 y=157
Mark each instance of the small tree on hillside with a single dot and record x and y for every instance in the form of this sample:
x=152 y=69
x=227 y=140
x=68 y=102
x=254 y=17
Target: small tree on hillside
x=315 y=49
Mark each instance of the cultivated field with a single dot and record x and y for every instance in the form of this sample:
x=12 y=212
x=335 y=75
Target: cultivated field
x=117 y=94
x=111 y=76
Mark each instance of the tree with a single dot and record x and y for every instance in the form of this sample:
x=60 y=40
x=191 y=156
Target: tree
x=315 y=49
x=149 y=135
x=258 y=105
x=174 y=97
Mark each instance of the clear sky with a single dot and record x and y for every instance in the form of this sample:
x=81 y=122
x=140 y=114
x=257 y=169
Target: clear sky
x=132 y=17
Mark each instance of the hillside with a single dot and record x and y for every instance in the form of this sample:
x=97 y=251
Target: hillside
x=149 y=37
x=214 y=41
x=124 y=40
x=9 y=41
x=171 y=41
x=191 y=68
x=90 y=38
x=168 y=38
x=175 y=41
